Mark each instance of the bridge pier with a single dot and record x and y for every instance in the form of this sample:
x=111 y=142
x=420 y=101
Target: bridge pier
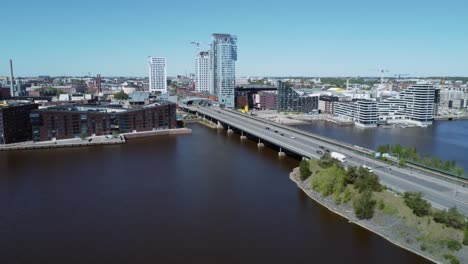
x=281 y=153
x=242 y=136
x=229 y=130
x=260 y=144
x=219 y=126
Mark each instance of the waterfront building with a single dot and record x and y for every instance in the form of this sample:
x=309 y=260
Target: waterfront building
x=364 y=113
x=223 y=57
x=202 y=72
x=419 y=102
x=72 y=121
x=157 y=74
x=15 y=125
x=266 y=100
x=290 y=100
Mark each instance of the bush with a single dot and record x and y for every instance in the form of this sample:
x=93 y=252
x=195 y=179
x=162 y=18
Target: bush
x=423 y=247
x=419 y=206
x=451 y=258
x=346 y=195
x=451 y=218
x=381 y=204
x=465 y=238
x=364 y=205
x=351 y=175
x=453 y=245
x=304 y=170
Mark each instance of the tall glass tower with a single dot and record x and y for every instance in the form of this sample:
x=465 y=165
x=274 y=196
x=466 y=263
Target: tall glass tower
x=223 y=57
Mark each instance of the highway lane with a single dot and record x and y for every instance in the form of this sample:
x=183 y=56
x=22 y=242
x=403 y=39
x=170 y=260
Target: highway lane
x=440 y=193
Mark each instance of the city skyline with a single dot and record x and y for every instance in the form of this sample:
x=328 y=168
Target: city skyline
x=301 y=39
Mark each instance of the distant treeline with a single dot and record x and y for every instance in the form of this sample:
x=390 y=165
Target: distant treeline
x=411 y=154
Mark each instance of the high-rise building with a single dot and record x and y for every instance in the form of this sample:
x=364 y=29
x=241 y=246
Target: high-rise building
x=223 y=55
x=157 y=74
x=202 y=72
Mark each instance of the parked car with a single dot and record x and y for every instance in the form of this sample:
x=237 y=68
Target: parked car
x=322 y=147
x=319 y=152
x=282 y=134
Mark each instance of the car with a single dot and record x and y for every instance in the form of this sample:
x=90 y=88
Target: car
x=327 y=150
x=267 y=128
x=322 y=147
x=293 y=137
x=282 y=134
x=276 y=131
x=319 y=152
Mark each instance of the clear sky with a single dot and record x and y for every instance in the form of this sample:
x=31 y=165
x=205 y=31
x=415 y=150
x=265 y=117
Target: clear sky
x=275 y=38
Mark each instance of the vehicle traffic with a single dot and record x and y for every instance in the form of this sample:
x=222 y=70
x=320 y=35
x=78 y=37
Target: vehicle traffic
x=338 y=156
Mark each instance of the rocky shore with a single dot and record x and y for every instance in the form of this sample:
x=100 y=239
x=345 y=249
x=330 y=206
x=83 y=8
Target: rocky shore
x=387 y=226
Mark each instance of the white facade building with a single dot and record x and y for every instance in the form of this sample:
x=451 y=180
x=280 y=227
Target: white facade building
x=419 y=102
x=223 y=57
x=157 y=74
x=202 y=72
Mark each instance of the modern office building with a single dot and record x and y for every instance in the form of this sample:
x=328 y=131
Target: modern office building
x=223 y=57
x=157 y=74
x=71 y=121
x=419 y=102
x=15 y=125
x=291 y=101
x=202 y=72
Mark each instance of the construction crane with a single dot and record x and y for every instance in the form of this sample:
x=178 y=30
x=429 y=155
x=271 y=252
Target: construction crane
x=196 y=44
x=382 y=71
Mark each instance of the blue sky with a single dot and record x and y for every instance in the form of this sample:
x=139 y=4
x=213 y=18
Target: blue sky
x=275 y=38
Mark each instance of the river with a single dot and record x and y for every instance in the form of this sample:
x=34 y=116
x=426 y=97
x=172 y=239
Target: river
x=207 y=197
x=444 y=139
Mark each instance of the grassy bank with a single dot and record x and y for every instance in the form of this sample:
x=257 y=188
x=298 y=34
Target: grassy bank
x=404 y=219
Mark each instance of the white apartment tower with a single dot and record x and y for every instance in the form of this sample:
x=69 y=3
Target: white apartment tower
x=202 y=72
x=223 y=56
x=157 y=74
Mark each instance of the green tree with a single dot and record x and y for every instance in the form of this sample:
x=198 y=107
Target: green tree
x=451 y=218
x=367 y=181
x=415 y=201
x=121 y=96
x=364 y=205
x=304 y=169
x=83 y=135
x=351 y=175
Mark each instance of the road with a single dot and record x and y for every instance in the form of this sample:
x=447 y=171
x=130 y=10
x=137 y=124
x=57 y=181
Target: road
x=440 y=193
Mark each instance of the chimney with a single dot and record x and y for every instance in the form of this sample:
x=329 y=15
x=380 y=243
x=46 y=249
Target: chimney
x=12 y=85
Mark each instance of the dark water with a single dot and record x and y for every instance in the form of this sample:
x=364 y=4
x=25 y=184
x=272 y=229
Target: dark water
x=446 y=140
x=200 y=198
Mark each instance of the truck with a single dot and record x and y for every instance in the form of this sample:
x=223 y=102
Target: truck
x=338 y=156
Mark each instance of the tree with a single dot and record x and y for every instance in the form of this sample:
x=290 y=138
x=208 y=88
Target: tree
x=304 y=170
x=364 y=205
x=419 y=206
x=83 y=135
x=351 y=175
x=451 y=218
x=121 y=96
x=367 y=181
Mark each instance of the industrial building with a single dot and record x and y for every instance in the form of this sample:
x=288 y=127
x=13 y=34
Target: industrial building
x=71 y=121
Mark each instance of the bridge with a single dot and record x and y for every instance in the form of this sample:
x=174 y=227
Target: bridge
x=440 y=192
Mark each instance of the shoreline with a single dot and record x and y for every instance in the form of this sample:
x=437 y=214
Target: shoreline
x=366 y=224
x=91 y=141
